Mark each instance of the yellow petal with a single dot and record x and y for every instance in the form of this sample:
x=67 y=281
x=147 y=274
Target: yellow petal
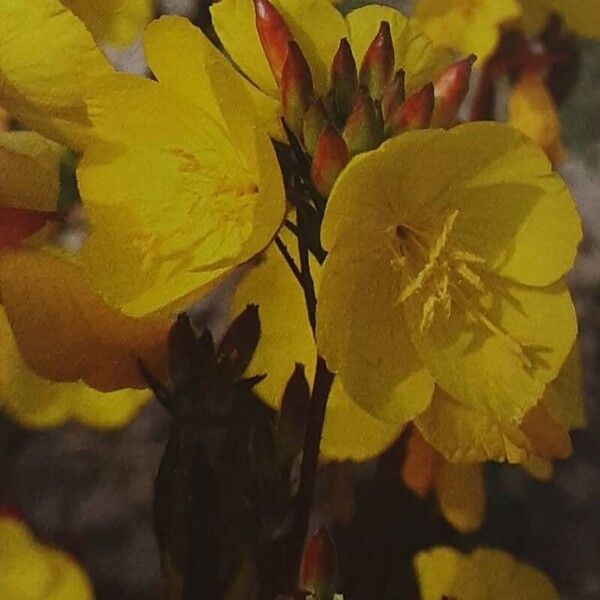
x=466 y=25
x=420 y=465
x=198 y=206
x=549 y=439
x=32 y=571
x=48 y=60
x=362 y=334
x=484 y=574
x=511 y=211
x=460 y=492
x=188 y=76
x=30 y=171
x=286 y=339
x=541 y=469
x=35 y=403
x=464 y=433
x=66 y=333
x=415 y=53
x=316 y=25
x=118 y=22
x=531 y=109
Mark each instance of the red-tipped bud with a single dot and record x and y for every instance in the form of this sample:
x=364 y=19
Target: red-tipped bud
x=331 y=156
x=319 y=565
x=274 y=35
x=378 y=63
x=344 y=78
x=415 y=113
x=296 y=88
x=393 y=95
x=314 y=122
x=450 y=90
x=16 y=224
x=364 y=127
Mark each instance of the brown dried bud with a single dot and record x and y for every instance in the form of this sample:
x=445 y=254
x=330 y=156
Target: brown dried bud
x=364 y=127
x=377 y=67
x=415 y=113
x=296 y=88
x=450 y=90
x=344 y=78
x=331 y=156
x=274 y=36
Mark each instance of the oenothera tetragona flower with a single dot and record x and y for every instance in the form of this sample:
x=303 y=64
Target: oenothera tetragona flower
x=174 y=198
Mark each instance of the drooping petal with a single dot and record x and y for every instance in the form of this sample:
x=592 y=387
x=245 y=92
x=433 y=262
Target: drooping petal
x=511 y=211
x=188 y=75
x=414 y=52
x=48 y=60
x=198 y=204
x=117 y=22
x=466 y=25
x=464 y=433
x=286 y=339
x=36 y=403
x=484 y=574
x=30 y=171
x=460 y=492
x=33 y=571
x=531 y=109
x=362 y=334
x=65 y=332
x=316 y=25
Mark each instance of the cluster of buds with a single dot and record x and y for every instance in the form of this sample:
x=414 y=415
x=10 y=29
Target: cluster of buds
x=363 y=107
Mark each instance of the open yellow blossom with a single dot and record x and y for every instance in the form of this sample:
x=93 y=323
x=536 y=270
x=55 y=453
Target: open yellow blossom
x=33 y=571
x=117 y=22
x=485 y=574
x=446 y=250
x=466 y=25
x=174 y=199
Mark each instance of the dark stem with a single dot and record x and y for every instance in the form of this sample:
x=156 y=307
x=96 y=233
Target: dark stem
x=307 y=281
x=308 y=472
x=289 y=260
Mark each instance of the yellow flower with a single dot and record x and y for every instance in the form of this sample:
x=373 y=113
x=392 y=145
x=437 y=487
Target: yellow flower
x=484 y=574
x=32 y=571
x=174 y=199
x=118 y=22
x=466 y=25
x=446 y=252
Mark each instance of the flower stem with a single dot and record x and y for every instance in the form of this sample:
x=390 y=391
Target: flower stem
x=308 y=472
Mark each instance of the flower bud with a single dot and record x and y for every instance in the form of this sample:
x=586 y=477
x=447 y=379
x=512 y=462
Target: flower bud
x=393 y=95
x=331 y=156
x=344 y=78
x=377 y=67
x=319 y=565
x=314 y=122
x=274 y=35
x=450 y=90
x=415 y=113
x=296 y=88
x=364 y=127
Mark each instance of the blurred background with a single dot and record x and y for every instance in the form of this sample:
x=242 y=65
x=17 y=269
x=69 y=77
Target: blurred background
x=90 y=492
